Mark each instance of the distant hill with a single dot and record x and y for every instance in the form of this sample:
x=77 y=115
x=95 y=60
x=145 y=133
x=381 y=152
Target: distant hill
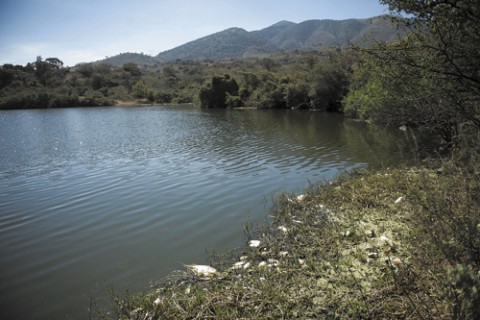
x=319 y=34
x=314 y=34
x=140 y=59
x=282 y=36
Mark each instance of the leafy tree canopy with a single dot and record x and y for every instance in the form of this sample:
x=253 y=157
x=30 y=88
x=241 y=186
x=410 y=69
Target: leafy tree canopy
x=215 y=94
x=429 y=79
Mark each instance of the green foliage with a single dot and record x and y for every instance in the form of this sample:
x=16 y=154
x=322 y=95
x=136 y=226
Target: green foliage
x=49 y=72
x=98 y=82
x=293 y=80
x=85 y=69
x=234 y=101
x=7 y=74
x=132 y=68
x=365 y=103
x=330 y=83
x=163 y=97
x=169 y=71
x=215 y=95
x=430 y=78
x=296 y=96
x=141 y=90
x=466 y=291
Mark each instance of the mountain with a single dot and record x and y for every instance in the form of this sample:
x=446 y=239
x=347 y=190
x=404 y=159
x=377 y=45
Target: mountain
x=282 y=36
x=230 y=43
x=378 y=29
x=285 y=36
x=270 y=32
x=319 y=34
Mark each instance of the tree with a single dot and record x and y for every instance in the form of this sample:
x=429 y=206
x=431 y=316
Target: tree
x=214 y=95
x=7 y=74
x=132 y=68
x=47 y=72
x=329 y=83
x=431 y=78
x=163 y=97
x=169 y=71
x=388 y=94
x=141 y=90
x=98 y=81
x=102 y=67
x=41 y=67
x=54 y=63
x=85 y=69
x=296 y=96
x=268 y=63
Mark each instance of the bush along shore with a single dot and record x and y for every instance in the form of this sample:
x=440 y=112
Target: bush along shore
x=389 y=244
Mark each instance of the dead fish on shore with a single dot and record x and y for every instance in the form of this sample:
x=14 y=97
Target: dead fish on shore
x=253 y=243
x=298 y=198
x=202 y=271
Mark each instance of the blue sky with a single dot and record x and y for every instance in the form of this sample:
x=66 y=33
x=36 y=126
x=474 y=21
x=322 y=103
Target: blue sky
x=88 y=30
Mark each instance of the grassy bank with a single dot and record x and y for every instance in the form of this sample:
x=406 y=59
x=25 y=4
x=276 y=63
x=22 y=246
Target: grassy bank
x=390 y=244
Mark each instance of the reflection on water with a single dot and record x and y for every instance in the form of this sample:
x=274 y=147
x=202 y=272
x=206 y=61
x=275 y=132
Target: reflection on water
x=91 y=198
x=377 y=146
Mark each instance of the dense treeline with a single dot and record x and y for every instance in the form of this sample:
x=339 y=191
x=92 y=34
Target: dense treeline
x=431 y=78
x=45 y=84
x=302 y=81
x=308 y=80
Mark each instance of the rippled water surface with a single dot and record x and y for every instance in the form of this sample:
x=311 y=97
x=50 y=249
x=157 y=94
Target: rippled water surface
x=100 y=197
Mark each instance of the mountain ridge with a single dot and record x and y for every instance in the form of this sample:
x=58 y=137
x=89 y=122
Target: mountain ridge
x=282 y=36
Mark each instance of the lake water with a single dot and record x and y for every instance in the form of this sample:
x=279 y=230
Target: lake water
x=98 y=197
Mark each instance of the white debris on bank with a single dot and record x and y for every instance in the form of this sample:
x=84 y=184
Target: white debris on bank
x=273 y=263
x=395 y=261
x=254 y=243
x=283 y=253
x=384 y=239
x=298 y=198
x=243 y=264
x=238 y=265
x=202 y=271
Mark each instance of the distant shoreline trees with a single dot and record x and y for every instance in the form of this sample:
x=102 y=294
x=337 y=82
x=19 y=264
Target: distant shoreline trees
x=298 y=80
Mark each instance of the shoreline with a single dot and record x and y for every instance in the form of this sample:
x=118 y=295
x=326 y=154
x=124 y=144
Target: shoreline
x=137 y=103
x=345 y=249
